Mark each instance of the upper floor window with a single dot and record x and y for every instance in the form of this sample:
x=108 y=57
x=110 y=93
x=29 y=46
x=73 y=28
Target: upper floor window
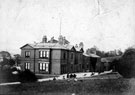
x=64 y=55
x=27 y=54
x=72 y=55
x=80 y=56
x=43 y=54
x=27 y=65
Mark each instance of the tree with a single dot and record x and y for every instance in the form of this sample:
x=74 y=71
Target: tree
x=17 y=59
x=7 y=61
x=81 y=44
x=91 y=50
x=126 y=66
x=120 y=52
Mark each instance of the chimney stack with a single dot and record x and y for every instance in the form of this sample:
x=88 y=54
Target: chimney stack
x=60 y=40
x=44 y=39
x=76 y=46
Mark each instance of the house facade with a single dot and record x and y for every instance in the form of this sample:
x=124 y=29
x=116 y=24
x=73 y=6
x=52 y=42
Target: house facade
x=52 y=57
x=91 y=62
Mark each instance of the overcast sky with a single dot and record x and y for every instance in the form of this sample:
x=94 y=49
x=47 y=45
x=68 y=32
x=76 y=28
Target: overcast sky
x=109 y=24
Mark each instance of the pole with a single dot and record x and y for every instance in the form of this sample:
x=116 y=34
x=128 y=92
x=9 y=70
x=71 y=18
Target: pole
x=60 y=22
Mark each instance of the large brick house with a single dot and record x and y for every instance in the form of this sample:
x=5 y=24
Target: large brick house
x=52 y=57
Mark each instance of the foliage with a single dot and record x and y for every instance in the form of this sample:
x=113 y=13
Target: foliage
x=91 y=50
x=7 y=76
x=7 y=62
x=5 y=54
x=112 y=53
x=126 y=66
x=115 y=63
x=17 y=58
x=27 y=76
x=22 y=76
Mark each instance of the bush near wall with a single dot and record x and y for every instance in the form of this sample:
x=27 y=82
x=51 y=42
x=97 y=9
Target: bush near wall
x=27 y=76
x=22 y=76
x=126 y=66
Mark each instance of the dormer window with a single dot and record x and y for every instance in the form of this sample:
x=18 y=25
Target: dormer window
x=27 y=54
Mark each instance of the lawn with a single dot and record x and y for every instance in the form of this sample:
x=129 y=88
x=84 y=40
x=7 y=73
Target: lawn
x=119 y=86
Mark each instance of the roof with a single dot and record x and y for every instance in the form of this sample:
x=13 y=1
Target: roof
x=91 y=55
x=94 y=55
x=51 y=45
x=53 y=41
x=86 y=55
x=110 y=59
x=48 y=45
x=79 y=49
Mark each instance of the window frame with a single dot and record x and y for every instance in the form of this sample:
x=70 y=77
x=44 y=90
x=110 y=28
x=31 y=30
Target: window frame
x=64 y=55
x=27 y=54
x=72 y=55
x=43 y=54
x=27 y=65
x=44 y=66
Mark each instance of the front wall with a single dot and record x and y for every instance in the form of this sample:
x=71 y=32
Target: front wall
x=71 y=61
x=29 y=60
x=40 y=60
x=31 y=53
x=55 y=61
x=64 y=61
x=55 y=67
x=55 y=54
x=37 y=52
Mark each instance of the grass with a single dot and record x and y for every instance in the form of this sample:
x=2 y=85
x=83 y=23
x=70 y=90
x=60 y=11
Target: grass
x=84 y=87
x=41 y=76
x=7 y=76
x=107 y=84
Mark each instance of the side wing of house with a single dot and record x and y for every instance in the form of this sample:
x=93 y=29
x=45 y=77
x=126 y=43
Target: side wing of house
x=27 y=57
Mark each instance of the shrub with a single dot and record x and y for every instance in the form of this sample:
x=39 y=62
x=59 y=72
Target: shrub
x=7 y=76
x=27 y=76
x=126 y=66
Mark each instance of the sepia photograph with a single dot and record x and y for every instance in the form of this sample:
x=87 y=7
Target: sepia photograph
x=67 y=47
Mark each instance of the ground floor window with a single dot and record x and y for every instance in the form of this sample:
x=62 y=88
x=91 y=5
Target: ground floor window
x=27 y=65
x=44 y=66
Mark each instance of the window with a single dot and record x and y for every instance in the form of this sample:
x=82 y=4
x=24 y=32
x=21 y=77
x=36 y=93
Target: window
x=64 y=55
x=43 y=54
x=27 y=54
x=27 y=65
x=72 y=55
x=80 y=56
x=44 y=67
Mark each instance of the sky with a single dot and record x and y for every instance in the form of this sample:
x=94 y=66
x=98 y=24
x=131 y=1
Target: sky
x=107 y=24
